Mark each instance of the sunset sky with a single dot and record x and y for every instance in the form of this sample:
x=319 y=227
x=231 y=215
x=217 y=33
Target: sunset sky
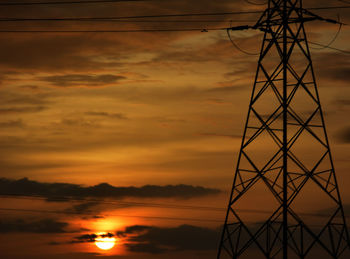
x=138 y=132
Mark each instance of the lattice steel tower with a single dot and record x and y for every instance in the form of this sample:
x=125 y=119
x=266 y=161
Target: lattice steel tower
x=285 y=169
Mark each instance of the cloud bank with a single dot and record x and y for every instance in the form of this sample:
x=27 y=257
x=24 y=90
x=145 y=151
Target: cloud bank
x=33 y=226
x=51 y=191
x=158 y=240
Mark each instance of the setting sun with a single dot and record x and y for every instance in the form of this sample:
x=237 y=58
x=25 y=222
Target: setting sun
x=105 y=242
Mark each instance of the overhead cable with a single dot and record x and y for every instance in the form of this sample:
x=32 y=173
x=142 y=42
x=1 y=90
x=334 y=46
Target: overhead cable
x=68 y=2
x=236 y=46
x=329 y=47
x=92 y=213
x=130 y=203
x=334 y=38
x=255 y=3
x=111 y=202
x=114 y=31
x=111 y=19
x=165 y=15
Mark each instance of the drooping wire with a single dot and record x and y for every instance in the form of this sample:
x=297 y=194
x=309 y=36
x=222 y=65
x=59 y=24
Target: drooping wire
x=254 y=3
x=236 y=46
x=333 y=39
x=329 y=47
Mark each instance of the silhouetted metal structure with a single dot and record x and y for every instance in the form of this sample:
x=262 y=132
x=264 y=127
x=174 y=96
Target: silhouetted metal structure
x=284 y=164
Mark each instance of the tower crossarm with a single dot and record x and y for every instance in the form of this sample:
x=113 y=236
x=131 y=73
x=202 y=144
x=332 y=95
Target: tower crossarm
x=263 y=24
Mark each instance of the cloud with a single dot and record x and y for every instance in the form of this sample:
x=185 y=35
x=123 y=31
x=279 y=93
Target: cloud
x=104 y=190
x=344 y=135
x=20 y=97
x=79 y=122
x=12 y=124
x=90 y=238
x=35 y=226
x=157 y=240
x=221 y=135
x=333 y=66
x=70 y=80
x=23 y=109
x=151 y=239
x=107 y=114
x=227 y=89
x=81 y=208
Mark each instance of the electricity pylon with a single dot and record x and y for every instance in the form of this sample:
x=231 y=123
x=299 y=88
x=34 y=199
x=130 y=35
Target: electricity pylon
x=284 y=168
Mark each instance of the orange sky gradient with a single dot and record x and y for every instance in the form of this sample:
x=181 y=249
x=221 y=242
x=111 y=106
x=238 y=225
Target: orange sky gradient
x=136 y=109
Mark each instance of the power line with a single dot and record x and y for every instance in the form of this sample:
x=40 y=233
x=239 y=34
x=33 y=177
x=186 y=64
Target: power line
x=119 y=215
x=68 y=2
x=157 y=205
x=92 y=213
x=237 y=47
x=117 y=203
x=333 y=40
x=113 y=31
x=150 y=30
x=254 y=3
x=101 y=19
x=123 y=215
x=329 y=47
x=110 y=19
x=174 y=15
x=160 y=15
x=328 y=7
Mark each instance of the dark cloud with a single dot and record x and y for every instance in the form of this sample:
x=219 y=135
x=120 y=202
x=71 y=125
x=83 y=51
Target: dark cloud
x=344 y=135
x=19 y=98
x=80 y=122
x=150 y=239
x=156 y=240
x=35 y=226
x=333 y=66
x=54 y=53
x=12 y=124
x=23 y=109
x=90 y=237
x=69 y=80
x=107 y=114
x=81 y=208
x=220 y=135
x=228 y=89
x=104 y=190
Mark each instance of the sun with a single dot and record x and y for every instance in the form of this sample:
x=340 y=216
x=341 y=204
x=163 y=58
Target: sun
x=105 y=242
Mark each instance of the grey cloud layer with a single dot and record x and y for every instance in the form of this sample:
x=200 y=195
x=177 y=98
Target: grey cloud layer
x=161 y=240
x=81 y=79
x=33 y=226
x=157 y=240
x=104 y=190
